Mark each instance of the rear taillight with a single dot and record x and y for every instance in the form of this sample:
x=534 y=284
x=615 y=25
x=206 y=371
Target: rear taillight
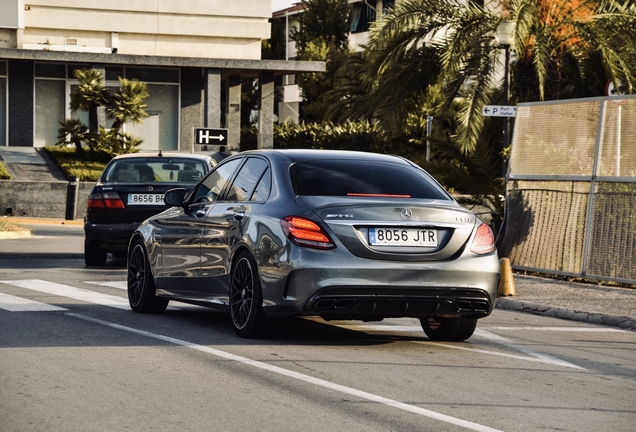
x=110 y=200
x=484 y=241
x=305 y=232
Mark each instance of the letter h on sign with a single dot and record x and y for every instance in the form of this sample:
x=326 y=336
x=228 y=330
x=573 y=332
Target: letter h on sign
x=205 y=136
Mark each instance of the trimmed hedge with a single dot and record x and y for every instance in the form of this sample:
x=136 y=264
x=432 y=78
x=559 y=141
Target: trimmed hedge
x=326 y=136
x=87 y=168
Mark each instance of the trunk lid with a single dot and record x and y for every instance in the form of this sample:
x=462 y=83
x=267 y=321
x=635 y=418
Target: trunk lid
x=409 y=230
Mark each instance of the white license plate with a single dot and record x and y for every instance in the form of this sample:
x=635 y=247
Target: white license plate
x=402 y=237
x=145 y=199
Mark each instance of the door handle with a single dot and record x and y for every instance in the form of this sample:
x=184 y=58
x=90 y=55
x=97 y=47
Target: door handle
x=238 y=215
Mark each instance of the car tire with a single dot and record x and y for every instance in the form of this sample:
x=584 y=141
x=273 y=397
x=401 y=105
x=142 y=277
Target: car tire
x=141 y=285
x=94 y=256
x=246 y=299
x=448 y=329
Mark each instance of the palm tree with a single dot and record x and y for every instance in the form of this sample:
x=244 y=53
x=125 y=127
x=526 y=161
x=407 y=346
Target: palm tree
x=450 y=45
x=125 y=105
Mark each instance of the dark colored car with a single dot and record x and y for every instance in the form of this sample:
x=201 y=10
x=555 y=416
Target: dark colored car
x=336 y=234
x=130 y=190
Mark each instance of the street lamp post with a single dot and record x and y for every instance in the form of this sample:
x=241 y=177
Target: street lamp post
x=505 y=39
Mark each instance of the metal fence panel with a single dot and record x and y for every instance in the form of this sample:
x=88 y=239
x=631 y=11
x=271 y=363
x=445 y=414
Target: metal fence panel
x=618 y=139
x=555 y=139
x=612 y=248
x=545 y=225
x=571 y=189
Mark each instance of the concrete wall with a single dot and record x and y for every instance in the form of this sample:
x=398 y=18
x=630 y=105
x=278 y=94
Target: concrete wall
x=40 y=199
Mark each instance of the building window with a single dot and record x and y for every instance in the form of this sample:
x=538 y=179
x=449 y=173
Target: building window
x=50 y=109
x=362 y=15
x=3 y=103
x=55 y=82
x=50 y=70
x=160 y=130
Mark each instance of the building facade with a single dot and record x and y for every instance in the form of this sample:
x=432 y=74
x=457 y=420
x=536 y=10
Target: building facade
x=193 y=55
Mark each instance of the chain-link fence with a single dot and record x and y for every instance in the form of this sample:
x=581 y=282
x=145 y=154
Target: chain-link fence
x=571 y=190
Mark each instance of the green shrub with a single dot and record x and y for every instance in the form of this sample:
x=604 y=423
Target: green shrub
x=329 y=136
x=87 y=166
x=4 y=174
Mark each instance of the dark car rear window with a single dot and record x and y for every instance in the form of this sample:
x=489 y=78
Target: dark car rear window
x=155 y=170
x=365 y=179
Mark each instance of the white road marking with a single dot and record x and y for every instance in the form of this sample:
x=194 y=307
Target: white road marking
x=71 y=292
x=124 y=286
x=500 y=354
x=295 y=375
x=19 y=304
x=531 y=356
x=417 y=329
x=119 y=285
x=543 y=358
x=560 y=329
x=382 y=328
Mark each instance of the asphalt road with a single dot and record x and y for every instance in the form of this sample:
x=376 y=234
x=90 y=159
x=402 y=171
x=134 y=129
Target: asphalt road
x=74 y=357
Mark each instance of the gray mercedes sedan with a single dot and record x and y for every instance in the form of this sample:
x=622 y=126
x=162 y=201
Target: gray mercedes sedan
x=335 y=234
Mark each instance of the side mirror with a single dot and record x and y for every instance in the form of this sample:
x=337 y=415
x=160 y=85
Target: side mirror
x=174 y=197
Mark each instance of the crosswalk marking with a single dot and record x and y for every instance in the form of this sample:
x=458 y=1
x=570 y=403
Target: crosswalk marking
x=87 y=295
x=117 y=284
x=71 y=292
x=18 y=304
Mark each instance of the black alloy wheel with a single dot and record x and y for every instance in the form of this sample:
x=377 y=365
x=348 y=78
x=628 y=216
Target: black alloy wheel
x=246 y=311
x=141 y=285
x=448 y=329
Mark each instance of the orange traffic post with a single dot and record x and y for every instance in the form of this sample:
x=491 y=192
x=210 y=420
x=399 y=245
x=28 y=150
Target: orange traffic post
x=506 y=282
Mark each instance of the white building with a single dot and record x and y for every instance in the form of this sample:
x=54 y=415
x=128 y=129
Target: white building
x=192 y=54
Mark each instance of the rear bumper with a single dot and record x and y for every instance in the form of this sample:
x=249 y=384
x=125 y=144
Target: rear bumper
x=109 y=237
x=371 y=290
x=390 y=302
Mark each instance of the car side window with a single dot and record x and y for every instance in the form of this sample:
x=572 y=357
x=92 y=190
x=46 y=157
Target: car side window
x=247 y=180
x=210 y=189
x=261 y=193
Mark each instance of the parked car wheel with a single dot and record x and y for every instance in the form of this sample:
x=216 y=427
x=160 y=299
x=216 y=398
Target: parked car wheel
x=141 y=285
x=248 y=318
x=448 y=329
x=94 y=256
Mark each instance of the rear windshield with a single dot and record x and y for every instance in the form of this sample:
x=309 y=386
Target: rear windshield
x=363 y=179
x=155 y=170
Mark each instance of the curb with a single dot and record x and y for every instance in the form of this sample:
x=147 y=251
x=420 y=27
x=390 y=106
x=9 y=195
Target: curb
x=567 y=314
x=46 y=221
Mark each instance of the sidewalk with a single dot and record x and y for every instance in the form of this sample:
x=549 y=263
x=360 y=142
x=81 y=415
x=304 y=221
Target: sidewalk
x=25 y=245
x=573 y=301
